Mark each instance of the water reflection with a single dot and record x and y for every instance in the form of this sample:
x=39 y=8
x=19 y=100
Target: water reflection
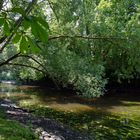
x=33 y=95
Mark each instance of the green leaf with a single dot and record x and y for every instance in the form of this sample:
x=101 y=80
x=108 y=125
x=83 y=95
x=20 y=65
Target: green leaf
x=6 y=28
x=33 y=46
x=42 y=34
x=24 y=45
x=16 y=38
x=2 y=21
x=26 y=24
x=43 y=23
x=39 y=31
x=34 y=29
x=12 y=1
x=19 y=10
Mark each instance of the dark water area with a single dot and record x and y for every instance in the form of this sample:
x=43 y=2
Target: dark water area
x=125 y=102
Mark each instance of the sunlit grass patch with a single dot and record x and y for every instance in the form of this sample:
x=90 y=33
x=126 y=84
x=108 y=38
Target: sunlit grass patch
x=99 y=125
x=106 y=118
x=12 y=130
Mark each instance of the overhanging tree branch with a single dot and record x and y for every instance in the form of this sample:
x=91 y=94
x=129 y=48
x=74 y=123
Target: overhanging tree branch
x=7 y=62
x=85 y=37
x=23 y=65
x=30 y=57
x=9 y=59
x=46 y=71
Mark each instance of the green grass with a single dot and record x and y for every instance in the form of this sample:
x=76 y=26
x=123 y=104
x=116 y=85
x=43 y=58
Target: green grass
x=12 y=130
x=109 y=118
x=99 y=125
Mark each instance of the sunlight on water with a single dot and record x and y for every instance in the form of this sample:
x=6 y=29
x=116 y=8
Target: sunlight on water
x=32 y=95
x=72 y=107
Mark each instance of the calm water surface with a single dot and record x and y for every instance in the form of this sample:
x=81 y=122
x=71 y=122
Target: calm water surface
x=126 y=104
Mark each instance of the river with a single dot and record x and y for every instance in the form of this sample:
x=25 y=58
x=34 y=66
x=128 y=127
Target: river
x=115 y=103
x=126 y=105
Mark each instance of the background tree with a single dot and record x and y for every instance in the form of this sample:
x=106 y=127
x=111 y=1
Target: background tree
x=76 y=43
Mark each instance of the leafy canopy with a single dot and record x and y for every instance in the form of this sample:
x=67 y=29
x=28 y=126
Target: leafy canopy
x=79 y=44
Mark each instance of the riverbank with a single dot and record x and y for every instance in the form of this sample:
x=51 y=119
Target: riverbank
x=12 y=130
x=110 y=117
x=47 y=129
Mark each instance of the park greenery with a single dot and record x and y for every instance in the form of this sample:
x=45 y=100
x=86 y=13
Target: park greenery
x=76 y=44
x=90 y=117
x=82 y=44
x=12 y=130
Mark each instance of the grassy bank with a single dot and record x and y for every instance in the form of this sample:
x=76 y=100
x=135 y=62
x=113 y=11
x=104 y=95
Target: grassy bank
x=12 y=130
x=115 y=117
x=99 y=125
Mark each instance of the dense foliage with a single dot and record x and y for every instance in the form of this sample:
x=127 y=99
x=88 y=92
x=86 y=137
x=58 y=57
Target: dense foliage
x=82 y=43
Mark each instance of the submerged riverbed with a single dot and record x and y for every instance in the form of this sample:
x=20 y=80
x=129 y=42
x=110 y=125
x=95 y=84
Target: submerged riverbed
x=110 y=117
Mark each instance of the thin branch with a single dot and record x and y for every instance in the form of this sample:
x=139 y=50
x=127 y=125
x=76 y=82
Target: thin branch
x=1 y=4
x=44 y=72
x=41 y=1
x=27 y=56
x=51 y=6
x=16 y=26
x=23 y=65
x=84 y=37
x=9 y=59
x=2 y=39
x=7 y=62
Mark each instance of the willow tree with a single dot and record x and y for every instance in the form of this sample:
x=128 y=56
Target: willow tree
x=97 y=40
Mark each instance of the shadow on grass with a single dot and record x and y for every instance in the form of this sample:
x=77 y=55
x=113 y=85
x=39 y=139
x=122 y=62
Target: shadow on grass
x=99 y=125
x=12 y=130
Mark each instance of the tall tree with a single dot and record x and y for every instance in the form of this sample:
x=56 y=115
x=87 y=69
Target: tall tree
x=80 y=43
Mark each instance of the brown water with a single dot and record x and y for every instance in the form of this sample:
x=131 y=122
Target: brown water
x=126 y=104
